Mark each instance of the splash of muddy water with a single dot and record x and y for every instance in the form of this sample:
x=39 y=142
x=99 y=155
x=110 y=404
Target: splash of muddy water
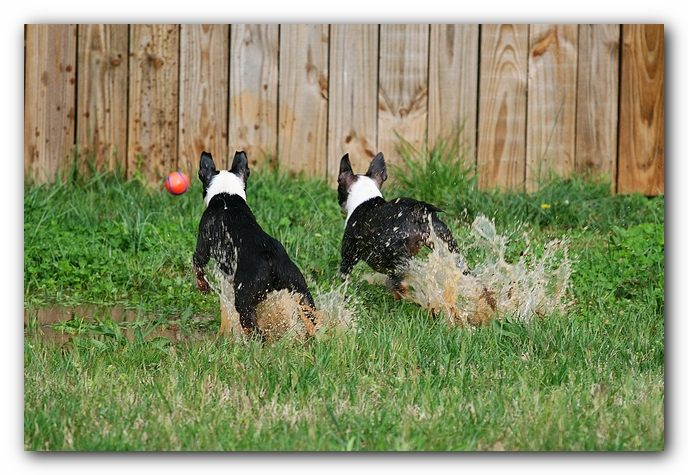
x=280 y=315
x=532 y=286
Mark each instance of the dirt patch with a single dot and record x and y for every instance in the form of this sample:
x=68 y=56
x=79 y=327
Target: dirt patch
x=47 y=320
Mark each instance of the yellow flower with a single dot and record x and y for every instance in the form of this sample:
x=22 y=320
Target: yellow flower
x=545 y=206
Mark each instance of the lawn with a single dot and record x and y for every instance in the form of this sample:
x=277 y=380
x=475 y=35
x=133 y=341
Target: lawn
x=584 y=376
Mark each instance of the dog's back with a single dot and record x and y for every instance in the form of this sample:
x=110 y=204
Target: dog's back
x=230 y=234
x=386 y=234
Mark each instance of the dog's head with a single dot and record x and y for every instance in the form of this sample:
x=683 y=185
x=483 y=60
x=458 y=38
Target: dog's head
x=216 y=181
x=355 y=189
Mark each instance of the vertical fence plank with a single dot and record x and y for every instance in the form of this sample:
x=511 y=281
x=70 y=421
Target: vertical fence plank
x=153 y=101
x=49 y=101
x=453 y=83
x=502 y=106
x=575 y=101
x=253 y=84
x=101 y=134
x=303 y=95
x=203 y=84
x=598 y=99
x=552 y=74
x=352 y=114
x=403 y=88
x=641 y=115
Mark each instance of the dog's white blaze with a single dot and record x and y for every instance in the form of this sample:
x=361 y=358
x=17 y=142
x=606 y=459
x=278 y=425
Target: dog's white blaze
x=225 y=182
x=363 y=189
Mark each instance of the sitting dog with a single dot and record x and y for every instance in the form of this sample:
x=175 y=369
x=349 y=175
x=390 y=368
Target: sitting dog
x=252 y=261
x=385 y=235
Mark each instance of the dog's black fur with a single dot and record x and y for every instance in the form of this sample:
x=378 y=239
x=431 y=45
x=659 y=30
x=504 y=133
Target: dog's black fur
x=253 y=261
x=385 y=235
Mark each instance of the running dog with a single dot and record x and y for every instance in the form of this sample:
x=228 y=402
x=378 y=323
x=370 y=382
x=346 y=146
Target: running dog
x=384 y=234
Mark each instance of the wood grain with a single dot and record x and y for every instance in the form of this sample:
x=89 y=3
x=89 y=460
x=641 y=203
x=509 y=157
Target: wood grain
x=352 y=114
x=49 y=101
x=545 y=98
x=203 y=79
x=303 y=96
x=453 y=84
x=403 y=88
x=641 y=114
x=152 y=146
x=598 y=100
x=103 y=66
x=551 y=116
x=253 y=86
x=502 y=106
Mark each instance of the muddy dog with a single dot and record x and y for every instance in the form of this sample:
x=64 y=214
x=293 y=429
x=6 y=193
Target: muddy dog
x=252 y=261
x=384 y=234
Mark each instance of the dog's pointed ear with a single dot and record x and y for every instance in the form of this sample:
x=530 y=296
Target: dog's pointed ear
x=378 y=170
x=346 y=174
x=344 y=181
x=207 y=170
x=345 y=165
x=240 y=166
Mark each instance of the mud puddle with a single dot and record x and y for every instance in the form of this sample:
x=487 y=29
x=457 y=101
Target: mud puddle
x=48 y=321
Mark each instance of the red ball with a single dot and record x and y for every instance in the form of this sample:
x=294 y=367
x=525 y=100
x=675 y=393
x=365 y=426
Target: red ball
x=177 y=183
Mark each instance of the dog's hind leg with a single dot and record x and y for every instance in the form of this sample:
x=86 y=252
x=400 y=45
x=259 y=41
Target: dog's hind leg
x=245 y=304
x=395 y=284
x=307 y=306
x=291 y=278
x=444 y=233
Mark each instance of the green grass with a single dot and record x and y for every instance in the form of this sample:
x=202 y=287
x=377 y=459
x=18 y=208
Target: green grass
x=590 y=378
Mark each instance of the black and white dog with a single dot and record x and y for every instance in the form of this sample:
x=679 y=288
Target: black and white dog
x=254 y=262
x=384 y=234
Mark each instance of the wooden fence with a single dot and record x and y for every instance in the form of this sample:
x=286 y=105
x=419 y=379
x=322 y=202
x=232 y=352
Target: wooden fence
x=532 y=98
